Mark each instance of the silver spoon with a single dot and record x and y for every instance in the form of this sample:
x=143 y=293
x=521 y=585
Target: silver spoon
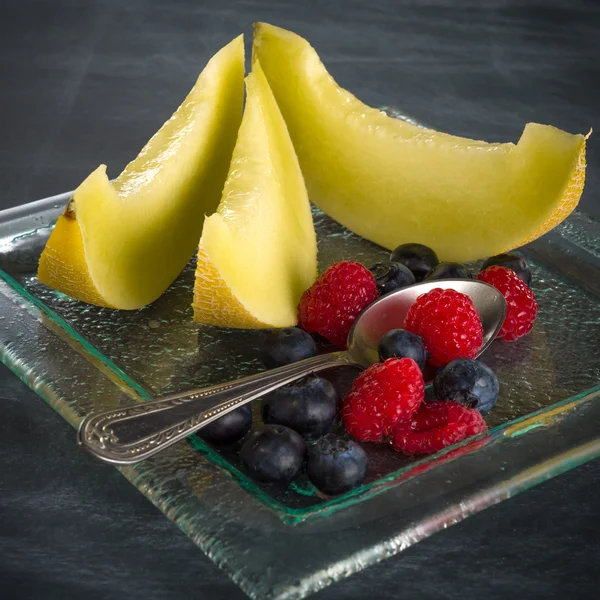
x=128 y=435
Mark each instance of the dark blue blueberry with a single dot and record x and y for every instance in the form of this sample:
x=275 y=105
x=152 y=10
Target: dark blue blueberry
x=418 y=258
x=391 y=276
x=468 y=382
x=448 y=270
x=285 y=346
x=273 y=453
x=403 y=344
x=336 y=465
x=308 y=406
x=229 y=428
x=511 y=261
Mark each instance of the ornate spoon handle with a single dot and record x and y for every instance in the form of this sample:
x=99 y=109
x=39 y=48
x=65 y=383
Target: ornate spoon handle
x=128 y=435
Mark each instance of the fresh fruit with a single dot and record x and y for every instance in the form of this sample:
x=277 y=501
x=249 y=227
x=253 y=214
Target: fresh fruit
x=436 y=426
x=391 y=181
x=330 y=306
x=273 y=453
x=121 y=244
x=382 y=395
x=474 y=421
x=258 y=252
x=448 y=270
x=308 y=406
x=399 y=343
x=420 y=259
x=467 y=382
x=336 y=465
x=391 y=276
x=511 y=261
x=521 y=307
x=285 y=346
x=229 y=428
x=449 y=324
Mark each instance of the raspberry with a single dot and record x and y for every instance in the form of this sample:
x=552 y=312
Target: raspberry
x=521 y=307
x=474 y=422
x=330 y=306
x=435 y=426
x=449 y=324
x=381 y=396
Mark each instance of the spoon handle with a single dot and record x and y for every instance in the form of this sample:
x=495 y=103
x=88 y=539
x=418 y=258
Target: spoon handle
x=128 y=435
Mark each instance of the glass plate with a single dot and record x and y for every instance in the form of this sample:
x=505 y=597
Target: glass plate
x=287 y=544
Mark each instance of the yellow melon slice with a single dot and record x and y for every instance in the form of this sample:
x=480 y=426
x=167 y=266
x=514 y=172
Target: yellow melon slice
x=258 y=252
x=122 y=244
x=393 y=182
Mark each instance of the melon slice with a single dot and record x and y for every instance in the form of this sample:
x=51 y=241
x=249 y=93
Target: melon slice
x=122 y=244
x=393 y=182
x=258 y=252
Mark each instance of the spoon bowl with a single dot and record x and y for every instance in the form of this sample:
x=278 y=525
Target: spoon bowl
x=389 y=312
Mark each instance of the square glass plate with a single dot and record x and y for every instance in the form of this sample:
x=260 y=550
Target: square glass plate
x=287 y=544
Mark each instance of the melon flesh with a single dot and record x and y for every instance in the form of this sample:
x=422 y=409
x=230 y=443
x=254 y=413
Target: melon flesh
x=122 y=244
x=393 y=182
x=258 y=252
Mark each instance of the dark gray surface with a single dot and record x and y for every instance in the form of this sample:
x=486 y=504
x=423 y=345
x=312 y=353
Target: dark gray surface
x=88 y=82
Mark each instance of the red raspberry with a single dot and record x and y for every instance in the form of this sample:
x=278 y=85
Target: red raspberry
x=381 y=396
x=435 y=426
x=449 y=324
x=474 y=422
x=330 y=306
x=521 y=307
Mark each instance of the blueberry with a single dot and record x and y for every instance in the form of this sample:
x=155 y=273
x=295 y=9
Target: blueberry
x=229 y=428
x=418 y=258
x=448 y=270
x=391 y=276
x=273 y=453
x=308 y=406
x=285 y=346
x=336 y=465
x=511 y=261
x=403 y=344
x=468 y=382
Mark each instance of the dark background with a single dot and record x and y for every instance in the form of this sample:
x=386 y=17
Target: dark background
x=88 y=82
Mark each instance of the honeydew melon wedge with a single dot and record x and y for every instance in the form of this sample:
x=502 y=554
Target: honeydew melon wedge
x=122 y=244
x=393 y=182
x=258 y=252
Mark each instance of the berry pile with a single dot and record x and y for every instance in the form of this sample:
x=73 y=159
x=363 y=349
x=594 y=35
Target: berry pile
x=386 y=403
